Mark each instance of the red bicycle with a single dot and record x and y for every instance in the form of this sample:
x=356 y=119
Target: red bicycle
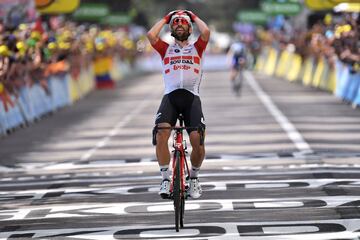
x=180 y=168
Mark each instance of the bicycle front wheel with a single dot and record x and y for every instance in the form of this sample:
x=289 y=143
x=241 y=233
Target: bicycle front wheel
x=177 y=191
x=182 y=211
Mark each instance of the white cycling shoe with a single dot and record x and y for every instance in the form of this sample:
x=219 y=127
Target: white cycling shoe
x=165 y=189
x=194 y=188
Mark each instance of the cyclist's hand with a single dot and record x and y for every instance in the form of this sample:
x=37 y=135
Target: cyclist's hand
x=167 y=18
x=191 y=15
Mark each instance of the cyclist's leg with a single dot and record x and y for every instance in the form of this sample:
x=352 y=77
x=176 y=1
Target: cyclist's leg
x=198 y=151
x=234 y=69
x=194 y=117
x=163 y=156
x=165 y=117
x=162 y=148
x=197 y=157
x=233 y=74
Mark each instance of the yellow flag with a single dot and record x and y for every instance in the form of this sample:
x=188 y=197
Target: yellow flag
x=326 y=4
x=56 y=6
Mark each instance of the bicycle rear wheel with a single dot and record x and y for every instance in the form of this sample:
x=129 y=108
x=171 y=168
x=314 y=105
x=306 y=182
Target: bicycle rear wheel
x=177 y=192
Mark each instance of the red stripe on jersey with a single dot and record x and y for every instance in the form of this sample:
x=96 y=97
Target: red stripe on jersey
x=200 y=46
x=166 y=60
x=175 y=58
x=197 y=60
x=196 y=70
x=187 y=57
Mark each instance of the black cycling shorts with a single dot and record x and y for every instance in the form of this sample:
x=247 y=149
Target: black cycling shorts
x=184 y=102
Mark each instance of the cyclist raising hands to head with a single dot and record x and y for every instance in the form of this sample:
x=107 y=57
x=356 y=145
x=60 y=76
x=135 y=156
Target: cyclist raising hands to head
x=182 y=73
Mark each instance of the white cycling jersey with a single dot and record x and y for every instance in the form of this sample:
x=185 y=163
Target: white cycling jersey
x=238 y=49
x=182 y=67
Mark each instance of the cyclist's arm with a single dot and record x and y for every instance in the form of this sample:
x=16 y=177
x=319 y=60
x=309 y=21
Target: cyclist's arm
x=155 y=41
x=229 y=56
x=203 y=28
x=153 y=33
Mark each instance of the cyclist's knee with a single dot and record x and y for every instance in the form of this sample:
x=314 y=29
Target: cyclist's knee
x=195 y=140
x=163 y=135
x=198 y=150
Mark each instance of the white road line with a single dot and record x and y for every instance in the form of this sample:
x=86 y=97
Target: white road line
x=118 y=126
x=285 y=124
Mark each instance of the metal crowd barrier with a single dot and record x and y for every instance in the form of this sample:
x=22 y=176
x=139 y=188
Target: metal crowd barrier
x=318 y=73
x=34 y=102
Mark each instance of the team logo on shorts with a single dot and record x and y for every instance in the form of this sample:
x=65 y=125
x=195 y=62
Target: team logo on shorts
x=158 y=115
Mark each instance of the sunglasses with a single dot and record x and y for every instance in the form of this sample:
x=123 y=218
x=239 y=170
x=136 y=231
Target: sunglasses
x=181 y=21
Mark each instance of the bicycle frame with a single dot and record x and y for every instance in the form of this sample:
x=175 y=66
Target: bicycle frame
x=178 y=145
x=180 y=168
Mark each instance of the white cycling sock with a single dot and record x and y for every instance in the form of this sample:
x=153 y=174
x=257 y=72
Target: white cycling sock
x=165 y=172
x=194 y=172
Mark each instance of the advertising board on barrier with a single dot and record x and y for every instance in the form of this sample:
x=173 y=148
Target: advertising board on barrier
x=252 y=16
x=287 y=8
x=91 y=11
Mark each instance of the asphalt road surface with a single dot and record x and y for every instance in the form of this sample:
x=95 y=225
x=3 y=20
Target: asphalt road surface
x=283 y=162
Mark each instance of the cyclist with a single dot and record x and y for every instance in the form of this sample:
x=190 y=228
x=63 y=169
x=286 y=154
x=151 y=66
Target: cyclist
x=182 y=73
x=237 y=56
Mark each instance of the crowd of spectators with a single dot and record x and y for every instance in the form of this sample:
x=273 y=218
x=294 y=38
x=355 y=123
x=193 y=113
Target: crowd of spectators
x=334 y=37
x=30 y=53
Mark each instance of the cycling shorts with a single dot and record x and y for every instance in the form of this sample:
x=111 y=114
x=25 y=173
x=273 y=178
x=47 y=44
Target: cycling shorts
x=184 y=102
x=236 y=62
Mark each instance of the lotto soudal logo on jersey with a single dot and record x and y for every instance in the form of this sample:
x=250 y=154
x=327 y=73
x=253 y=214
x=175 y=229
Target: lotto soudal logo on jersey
x=187 y=61
x=181 y=67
